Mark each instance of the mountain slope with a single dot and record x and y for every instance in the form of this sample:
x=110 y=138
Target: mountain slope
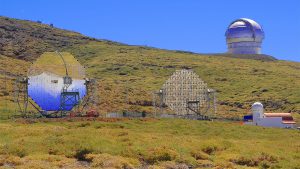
x=28 y=40
x=128 y=75
x=239 y=82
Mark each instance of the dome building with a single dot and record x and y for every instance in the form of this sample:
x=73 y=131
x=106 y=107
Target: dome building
x=259 y=118
x=257 y=110
x=244 y=36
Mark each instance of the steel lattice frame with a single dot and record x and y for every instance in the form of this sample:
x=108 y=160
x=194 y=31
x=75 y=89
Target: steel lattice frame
x=21 y=94
x=185 y=93
x=90 y=101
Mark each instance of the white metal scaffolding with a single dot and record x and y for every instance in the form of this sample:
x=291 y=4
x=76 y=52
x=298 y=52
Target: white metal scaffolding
x=185 y=93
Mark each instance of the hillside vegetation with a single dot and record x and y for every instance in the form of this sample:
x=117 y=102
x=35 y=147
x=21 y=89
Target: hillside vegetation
x=28 y=40
x=128 y=75
x=152 y=143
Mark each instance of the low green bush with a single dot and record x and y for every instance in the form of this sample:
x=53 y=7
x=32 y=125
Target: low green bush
x=160 y=154
x=80 y=154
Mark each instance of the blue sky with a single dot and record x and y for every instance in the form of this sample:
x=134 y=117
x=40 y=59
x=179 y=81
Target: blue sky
x=190 y=25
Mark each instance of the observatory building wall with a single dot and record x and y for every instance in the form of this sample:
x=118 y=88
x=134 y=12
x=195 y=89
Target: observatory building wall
x=244 y=48
x=259 y=118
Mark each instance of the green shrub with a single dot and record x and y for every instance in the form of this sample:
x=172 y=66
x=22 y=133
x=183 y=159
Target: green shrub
x=80 y=154
x=211 y=149
x=123 y=133
x=110 y=161
x=246 y=161
x=268 y=158
x=264 y=160
x=84 y=124
x=20 y=152
x=53 y=151
x=160 y=154
x=199 y=155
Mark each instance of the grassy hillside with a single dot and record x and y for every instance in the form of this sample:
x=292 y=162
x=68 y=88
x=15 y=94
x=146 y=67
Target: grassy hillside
x=239 y=82
x=128 y=75
x=9 y=70
x=165 y=143
x=27 y=40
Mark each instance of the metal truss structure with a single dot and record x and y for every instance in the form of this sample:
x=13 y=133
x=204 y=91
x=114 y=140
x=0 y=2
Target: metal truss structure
x=21 y=94
x=24 y=104
x=91 y=100
x=185 y=94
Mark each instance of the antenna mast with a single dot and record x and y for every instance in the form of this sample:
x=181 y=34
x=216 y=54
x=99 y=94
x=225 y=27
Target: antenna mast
x=67 y=78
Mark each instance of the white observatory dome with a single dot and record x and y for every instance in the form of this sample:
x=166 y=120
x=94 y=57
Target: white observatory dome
x=244 y=36
x=257 y=110
x=257 y=105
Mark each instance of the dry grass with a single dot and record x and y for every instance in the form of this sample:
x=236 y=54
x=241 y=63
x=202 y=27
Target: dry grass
x=153 y=143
